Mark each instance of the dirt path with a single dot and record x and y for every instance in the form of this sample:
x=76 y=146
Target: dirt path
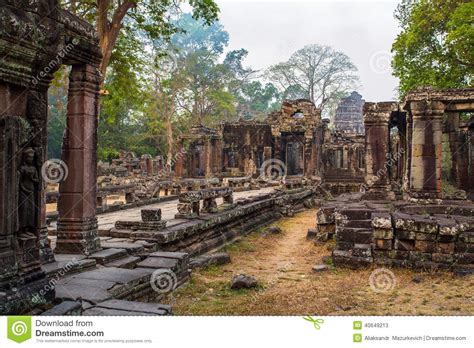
x=283 y=265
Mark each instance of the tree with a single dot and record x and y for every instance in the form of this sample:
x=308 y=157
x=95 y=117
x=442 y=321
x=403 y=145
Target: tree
x=256 y=100
x=434 y=47
x=150 y=16
x=315 y=72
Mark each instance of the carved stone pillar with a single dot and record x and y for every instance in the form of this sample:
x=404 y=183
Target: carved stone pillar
x=37 y=108
x=77 y=222
x=377 y=144
x=426 y=145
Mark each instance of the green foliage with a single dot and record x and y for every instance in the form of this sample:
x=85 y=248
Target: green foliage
x=435 y=45
x=57 y=100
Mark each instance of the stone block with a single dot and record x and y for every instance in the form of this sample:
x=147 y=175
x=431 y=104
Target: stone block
x=425 y=246
x=466 y=237
x=356 y=235
x=419 y=256
x=383 y=244
x=107 y=255
x=403 y=234
x=151 y=214
x=381 y=220
x=380 y=233
x=445 y=248
x=425 y=236
x=404 y=244
x=443 y=258
x=461 y=247
x=325 y=215
x=465 y=258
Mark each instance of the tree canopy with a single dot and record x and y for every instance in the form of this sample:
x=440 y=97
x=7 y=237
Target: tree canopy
x=434 y=47
x=315 y=72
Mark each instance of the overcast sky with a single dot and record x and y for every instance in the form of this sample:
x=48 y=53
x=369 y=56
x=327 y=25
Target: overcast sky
x=272 y=30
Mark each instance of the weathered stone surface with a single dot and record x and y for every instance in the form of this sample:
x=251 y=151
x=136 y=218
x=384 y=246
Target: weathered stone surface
x=65 y=308
x=128 y=262
x=151 y=214
x=107 y=255
x=122 y=307
x=381 y=220
x=383 y=233
x=355 y=235
x=243 y=281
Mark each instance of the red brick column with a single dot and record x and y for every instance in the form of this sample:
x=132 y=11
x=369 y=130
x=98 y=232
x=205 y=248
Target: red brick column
x=426 y=149
x=77 y=223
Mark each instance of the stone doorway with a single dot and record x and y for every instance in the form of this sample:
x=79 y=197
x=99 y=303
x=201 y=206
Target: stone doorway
x=294 y=149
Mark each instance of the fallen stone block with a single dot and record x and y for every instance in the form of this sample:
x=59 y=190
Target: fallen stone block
x=311 y=234
x=208 y=260
x=243 y=281
x=320 y=268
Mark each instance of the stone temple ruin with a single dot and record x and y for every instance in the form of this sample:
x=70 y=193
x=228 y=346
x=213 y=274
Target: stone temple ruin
x=114 y=238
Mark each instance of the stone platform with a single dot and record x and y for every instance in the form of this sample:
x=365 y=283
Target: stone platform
x=437 y=235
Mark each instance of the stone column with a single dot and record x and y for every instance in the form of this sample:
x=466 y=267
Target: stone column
x=377 y=144
x=471 y=160
x=463 y=159
x=207 y=157
x=77 y=222
x=426 y=145
x=179 y=165
x=452 y=128
x=37 y=109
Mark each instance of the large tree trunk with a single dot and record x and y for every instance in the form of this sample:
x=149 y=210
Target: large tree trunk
x=109 y=31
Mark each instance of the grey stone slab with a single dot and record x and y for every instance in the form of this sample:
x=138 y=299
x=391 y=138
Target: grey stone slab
x=128 y=262
x=169 y=254
x=98 y=311
x=65 y=308
x=131 y=248
x=134 y=306
x=157 y=262
x=107 y=255
x=117 y=275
